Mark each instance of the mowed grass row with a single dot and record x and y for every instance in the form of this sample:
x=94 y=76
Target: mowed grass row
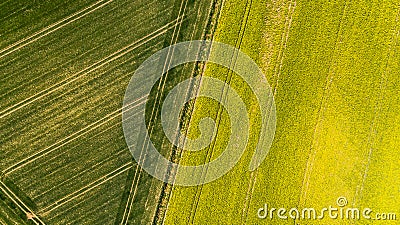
x=327 y=92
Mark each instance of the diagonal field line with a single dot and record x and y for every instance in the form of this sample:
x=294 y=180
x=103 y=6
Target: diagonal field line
x=166 y=190
x=3 y=3
x=88 y=70
x=72 y=137
x=223 y=95
x=16 y=200
x=13 y=13
x=277 y=73
x=77 y=175
x=210 y=26
x=52 y=28
x=97 y=65
x=86 y=189
x=314 y=141
x=50 y=71
x=138 y=170
x=378 y=108
x=91 y=126
x=284 y=42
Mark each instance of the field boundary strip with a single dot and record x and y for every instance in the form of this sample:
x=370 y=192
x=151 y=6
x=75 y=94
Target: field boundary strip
x=72 y=137
x=241 y=31
x=277 y=72
x=160 y=90
x=166 y=191
x=52 y=28
x=20 y=204
x=116 y=55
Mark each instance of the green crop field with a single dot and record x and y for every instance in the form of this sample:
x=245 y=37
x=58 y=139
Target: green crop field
x=64 y=70
x=333 y=67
